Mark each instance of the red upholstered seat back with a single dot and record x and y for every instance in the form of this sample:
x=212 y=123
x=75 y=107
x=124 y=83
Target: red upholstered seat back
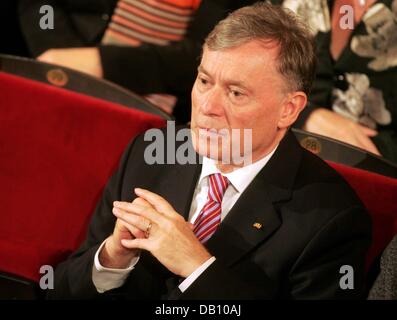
x=57 y=150
x=379 y=195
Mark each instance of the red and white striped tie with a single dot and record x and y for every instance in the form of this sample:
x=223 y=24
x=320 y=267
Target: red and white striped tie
x=210 y=216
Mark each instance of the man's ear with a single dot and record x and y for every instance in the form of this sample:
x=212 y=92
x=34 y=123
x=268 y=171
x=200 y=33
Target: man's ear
x=291 y=108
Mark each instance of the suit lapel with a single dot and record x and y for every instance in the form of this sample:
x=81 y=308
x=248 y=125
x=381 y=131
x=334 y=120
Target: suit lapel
x=237 y=235
x=254 y=217
x=178 y=185
x=176 y=182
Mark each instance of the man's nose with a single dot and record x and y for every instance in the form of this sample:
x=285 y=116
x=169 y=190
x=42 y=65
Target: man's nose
x=212 y=104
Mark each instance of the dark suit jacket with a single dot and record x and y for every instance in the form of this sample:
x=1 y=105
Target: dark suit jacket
x=313 y=224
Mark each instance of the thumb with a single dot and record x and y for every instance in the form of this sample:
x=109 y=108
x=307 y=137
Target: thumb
x=368 y=131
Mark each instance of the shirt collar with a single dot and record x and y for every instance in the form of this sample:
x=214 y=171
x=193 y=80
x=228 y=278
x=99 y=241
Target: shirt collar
x=239 y=178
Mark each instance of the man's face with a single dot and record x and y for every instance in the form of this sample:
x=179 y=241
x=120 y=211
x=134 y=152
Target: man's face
x=238 y=88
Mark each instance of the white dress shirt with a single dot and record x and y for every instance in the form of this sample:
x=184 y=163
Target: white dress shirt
x=106 y=278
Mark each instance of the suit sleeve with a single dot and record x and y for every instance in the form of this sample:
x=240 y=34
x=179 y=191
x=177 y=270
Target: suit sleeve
x=332 y=266
x=343 y=241
x=73 y=277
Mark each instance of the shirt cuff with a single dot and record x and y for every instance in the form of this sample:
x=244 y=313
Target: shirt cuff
x=196 y=273
x=105 y=279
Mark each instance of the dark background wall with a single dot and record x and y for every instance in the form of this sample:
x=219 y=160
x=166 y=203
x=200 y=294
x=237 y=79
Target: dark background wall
x=11 y=40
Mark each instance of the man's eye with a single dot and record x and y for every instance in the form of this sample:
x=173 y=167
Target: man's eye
x=236 y=94
x=203 y=81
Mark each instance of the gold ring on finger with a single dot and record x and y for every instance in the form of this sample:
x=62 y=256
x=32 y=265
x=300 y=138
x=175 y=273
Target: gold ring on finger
x=148 y=228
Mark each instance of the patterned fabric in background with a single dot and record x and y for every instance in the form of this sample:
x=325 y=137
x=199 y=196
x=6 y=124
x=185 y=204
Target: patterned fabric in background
x=361 y=103
x=362 y=83
x=157 y=22
x=380 y=43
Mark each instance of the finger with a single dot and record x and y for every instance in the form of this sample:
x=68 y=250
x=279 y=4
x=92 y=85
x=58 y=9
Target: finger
x=132 y=219
x=41 y=57
x=367 y=144
x=137 y=233
x=142 y=202
x=136 y=244
x=147 y=212
x=158 y=202
x=45 y=57
x=368 y=131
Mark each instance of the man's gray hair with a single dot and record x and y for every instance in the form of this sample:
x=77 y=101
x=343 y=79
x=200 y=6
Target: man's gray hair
x=267 y=22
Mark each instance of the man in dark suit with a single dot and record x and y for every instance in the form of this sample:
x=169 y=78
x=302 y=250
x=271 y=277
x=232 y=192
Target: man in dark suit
x=279 y=224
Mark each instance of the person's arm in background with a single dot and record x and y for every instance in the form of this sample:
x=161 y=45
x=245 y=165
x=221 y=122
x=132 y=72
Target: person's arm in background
x=171 y=68
x=150 y=68
x=76 y=23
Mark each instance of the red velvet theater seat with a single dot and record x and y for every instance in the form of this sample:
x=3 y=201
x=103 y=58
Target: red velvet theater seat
x=57 y=150
x=379 y=195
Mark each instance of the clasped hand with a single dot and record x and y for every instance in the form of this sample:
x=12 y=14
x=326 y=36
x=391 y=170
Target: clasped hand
x=155 y=226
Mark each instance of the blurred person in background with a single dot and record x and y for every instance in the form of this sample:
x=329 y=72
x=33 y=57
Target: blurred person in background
x=12 y=41
x=354 y=95
x=149 y=47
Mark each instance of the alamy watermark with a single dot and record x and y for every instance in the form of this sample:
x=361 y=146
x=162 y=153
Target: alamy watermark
x=347 y=280
x=47 y=278
x=227 y=146
x=47 y=19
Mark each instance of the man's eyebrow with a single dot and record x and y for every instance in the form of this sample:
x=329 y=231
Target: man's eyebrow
x=229 y=83
x=237 y=84
x=202 y=70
